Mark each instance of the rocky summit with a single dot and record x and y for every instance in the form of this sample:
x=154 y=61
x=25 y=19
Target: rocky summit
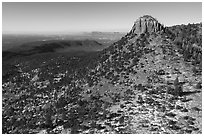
x=148 y=82
x=146 y=23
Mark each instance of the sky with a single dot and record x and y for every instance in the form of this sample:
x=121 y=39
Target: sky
x=47 y=17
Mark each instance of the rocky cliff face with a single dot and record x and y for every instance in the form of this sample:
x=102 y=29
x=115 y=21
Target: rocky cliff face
x=146 y=23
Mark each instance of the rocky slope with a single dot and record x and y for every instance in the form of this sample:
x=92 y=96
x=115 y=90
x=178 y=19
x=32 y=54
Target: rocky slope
x=140 y=84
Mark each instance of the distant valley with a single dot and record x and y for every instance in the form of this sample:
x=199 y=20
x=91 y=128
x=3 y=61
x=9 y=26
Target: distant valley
x=10 y=41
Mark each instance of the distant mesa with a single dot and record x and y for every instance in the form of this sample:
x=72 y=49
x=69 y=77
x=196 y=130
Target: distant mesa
x=145 y=24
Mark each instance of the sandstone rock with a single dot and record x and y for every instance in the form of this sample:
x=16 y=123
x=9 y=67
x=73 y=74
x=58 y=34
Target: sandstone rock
x=145 y=24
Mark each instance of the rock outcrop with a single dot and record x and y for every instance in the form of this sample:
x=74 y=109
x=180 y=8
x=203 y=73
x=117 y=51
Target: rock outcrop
x=145 y=24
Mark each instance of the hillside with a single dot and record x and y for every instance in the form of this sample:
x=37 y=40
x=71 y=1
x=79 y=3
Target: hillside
x=145 y=83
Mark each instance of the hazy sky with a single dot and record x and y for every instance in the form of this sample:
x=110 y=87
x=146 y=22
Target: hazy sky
x=80 y=17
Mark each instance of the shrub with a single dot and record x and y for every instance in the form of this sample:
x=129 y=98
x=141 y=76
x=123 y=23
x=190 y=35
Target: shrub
x=199 y=85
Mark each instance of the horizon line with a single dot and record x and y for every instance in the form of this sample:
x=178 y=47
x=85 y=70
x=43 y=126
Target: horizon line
x=78 y=32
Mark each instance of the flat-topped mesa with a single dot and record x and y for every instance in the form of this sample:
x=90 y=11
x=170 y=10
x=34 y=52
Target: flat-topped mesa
x=145 y=24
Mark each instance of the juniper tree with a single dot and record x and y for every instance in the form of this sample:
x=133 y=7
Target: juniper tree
x=177 y=87
x=176 y=81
